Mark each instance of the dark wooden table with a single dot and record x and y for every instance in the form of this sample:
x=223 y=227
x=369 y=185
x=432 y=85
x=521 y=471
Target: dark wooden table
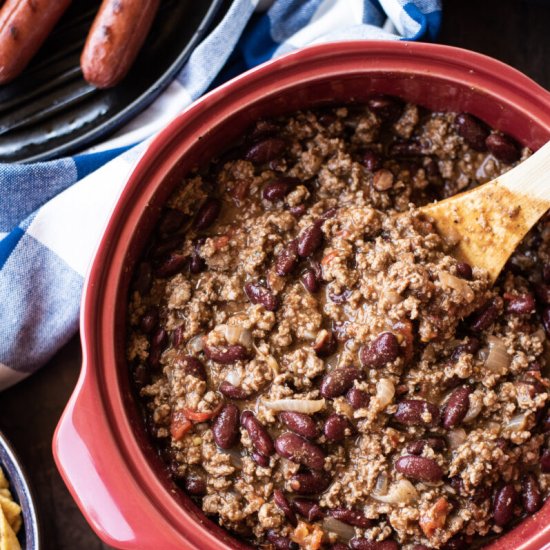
x=513 y=31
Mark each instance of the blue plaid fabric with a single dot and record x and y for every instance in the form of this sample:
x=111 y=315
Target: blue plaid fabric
x=52 y=213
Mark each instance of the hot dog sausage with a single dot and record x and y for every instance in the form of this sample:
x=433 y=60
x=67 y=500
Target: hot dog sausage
x=115 y=38
x=24 y=25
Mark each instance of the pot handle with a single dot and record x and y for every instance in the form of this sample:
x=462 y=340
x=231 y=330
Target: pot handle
x=107 y=493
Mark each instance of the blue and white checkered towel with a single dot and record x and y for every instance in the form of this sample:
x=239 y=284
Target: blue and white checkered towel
x=52 y=213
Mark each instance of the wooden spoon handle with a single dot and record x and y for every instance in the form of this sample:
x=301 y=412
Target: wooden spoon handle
x=531 y=178
x=488 y=222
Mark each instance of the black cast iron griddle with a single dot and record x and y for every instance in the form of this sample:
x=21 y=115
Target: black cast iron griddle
x=50 y=111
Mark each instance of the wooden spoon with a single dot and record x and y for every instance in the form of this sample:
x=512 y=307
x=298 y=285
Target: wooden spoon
x=492 y=219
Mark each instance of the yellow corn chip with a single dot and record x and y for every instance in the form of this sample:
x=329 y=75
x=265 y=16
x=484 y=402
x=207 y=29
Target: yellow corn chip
x=12 y=511
x=5 y=493
x=3 y=481
x=8 y=540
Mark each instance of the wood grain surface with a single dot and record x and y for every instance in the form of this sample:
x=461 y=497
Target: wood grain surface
x=513 y=31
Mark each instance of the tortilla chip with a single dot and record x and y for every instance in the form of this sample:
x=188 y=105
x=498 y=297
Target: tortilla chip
x=8 y=540
x=12 y=511
x=3 y=481
x=6 y=493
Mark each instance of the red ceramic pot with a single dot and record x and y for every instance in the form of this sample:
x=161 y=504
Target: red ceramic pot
x=100 y=444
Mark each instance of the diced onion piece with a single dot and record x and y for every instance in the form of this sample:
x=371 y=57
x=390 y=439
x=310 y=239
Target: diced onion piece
x=236 y=458
x=497 y=359
x=402 y=491
x=344 y=531
x=235 y=334
x=456 y=438
x=518 y=422
x=381 y=487
x=476 y=404
x=449 y=281
x=234 y=377
x=306 y=406
x=385 y=390
x=196 y=344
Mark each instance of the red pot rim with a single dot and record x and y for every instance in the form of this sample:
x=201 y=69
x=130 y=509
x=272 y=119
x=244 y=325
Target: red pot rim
x=95 y=445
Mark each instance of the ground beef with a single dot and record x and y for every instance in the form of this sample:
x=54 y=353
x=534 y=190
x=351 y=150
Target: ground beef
x=306 y=280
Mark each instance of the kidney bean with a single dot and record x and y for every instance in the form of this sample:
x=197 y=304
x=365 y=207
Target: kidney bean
x=383 y=350
x=143 y=278
x=233 y=392
x=300 y=423
x=419 y=468
x=258 y=433
x=281 y=501
x=226 y=355
x=545 y=318
x=358 y=399
x=281 y=543
x=420 y=547
x=530 y=492
x=405 y=149
x=190 y=365
x=351 y=517
x=287 y=260
x=366 y=544
x=159 y=340
x=338 y=381
x=177 y=337
x=519 y=303
x=297 y=449
x=382 y=180
x=472 y=130
x=471 y=346
x=484 y=317
x=503 y=504
x=310 y=483
x=325 y=343
x=311 y=281
x=464 y=270
x=150 y=319
x=197 y=264
x=545 y=461
x=336 y=426
x=279 y=188
x=371 y=160
x=258 y=294
x=339 y=546
x=164 y=247
x=207 y=214
x=543 y=293
x=265 y=150
x=298 y=211
x=417 y=447
x=195 y=484
x=308 y=508
x=411 y=411
x=386 y=107
x=260 y=459
x=309 y=240
x=503 y=148
x=225 y=427
x=457 y=406
x=171 y=221
x=341 y=298
x=171 y=265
